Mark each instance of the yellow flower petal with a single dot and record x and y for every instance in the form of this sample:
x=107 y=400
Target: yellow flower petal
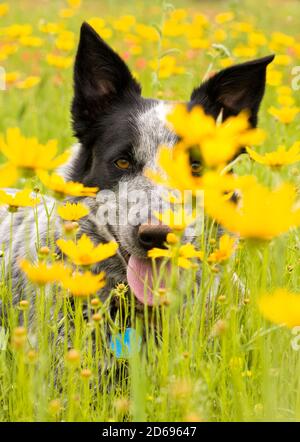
x=42 y=273
x=84 y=252
x=281 y=307
x=84 y=284
x=72 y=211
x=60 y=187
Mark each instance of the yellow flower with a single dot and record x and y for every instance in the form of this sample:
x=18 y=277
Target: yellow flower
x=73 y=356
x=60 y=187
x=285 y=96
x=281 y=307
x=192 y=126
x=286 y=100
x=245 y=51
x=84 y=284
x=225 y=62
x=194 y=31
x=29 y=82
x=42 y=273
x=66 y=13
x=198 y=43
x=8 y=175
x=178 y=14
x=84 y=252
x=147 y=32
x=228 y=138
x=106 y=33
x=17 y=31
x=59 y=61
x=7 y=50
x=74 y=3
x=225 y=250
x=97 y=23
x=222 y=184
x=28 y=153
x=3 y=54
x=65 y=41
x=224 y=17
x=132 y=39
x=12 y=77
x=281 y=39
x=173 y=28
x=4 y=8
x=274 y=77
x=257 y=39
x=51 y=28
x=167 y=67
x=280 y=157
x=218 y=143
x=32 y=42
x=124 y=23
x=72 y=211
x=285 y=115
x=296 y=48
x=284 y=90
x=182 y=256
x=20 y=199
x=260 y=214
x=135 y=50
x=176 y=171
x=200 y=21
x=219 y=35
x=172 y=238
x=283 y=60
x=177 y=219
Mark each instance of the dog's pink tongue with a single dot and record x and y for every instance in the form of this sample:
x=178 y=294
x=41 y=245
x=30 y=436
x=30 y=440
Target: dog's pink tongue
x=140 y=279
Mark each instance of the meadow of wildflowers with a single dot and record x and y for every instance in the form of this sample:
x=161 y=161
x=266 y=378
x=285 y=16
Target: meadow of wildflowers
x=224 y=349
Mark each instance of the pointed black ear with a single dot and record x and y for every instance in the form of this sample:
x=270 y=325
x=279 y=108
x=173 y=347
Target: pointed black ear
x=234 y=89
x=101 y=78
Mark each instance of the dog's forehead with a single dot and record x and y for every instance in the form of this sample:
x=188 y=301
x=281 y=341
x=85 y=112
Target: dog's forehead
x=153 y=130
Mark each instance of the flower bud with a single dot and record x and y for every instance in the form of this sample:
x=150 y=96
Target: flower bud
x=44 y=250
x=95 y=302
x=86 y=373
x=122 y=405
x=73 y=356
x=219 y=328
x=172 y=238
x=24 y=304
x=96 y=317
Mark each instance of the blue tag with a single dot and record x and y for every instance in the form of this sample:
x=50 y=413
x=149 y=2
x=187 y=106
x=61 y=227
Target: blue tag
x=123 y=345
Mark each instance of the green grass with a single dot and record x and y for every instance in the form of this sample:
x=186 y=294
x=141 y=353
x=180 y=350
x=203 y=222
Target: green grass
x=202 y=357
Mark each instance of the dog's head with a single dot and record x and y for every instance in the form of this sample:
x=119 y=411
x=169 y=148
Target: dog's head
x=119 y=131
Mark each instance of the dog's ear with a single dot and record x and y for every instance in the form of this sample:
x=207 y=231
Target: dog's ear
x=234 y=89
x=101 y=78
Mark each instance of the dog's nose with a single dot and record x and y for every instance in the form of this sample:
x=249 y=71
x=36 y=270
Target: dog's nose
x=150 y=236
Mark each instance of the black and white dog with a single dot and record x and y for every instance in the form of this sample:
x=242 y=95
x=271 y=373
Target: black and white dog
x=119 y=132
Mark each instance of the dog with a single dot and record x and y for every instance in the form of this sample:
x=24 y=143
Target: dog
x=118 y=134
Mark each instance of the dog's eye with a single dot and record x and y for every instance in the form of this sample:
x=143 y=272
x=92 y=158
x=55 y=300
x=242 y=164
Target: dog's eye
x=196 y=168
x=123 y=163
